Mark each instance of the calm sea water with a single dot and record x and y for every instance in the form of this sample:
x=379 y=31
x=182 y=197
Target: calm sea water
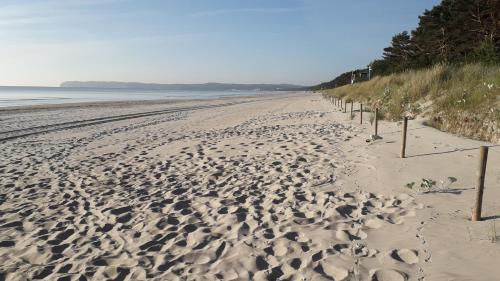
x=22 y=96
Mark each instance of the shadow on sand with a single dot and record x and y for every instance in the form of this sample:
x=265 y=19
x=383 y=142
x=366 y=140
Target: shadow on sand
x=456 y=191
x=449 y=151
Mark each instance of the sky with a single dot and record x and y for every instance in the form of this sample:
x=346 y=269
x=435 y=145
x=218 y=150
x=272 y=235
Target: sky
x=46 y=42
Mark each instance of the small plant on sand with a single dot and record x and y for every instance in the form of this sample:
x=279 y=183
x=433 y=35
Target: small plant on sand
x=445 y=184
x=427 y=184
x=410 y=185
x=430 y=185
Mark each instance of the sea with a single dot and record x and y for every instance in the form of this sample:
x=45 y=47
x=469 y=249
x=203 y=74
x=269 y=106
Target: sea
x=26 y=96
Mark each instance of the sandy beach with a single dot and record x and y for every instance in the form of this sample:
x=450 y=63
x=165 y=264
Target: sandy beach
x=284 y=187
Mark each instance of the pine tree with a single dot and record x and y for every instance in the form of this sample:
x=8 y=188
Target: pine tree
x=455 y=31
x=399 y=53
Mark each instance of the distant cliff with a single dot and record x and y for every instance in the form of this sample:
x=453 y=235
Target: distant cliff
x=181 y=87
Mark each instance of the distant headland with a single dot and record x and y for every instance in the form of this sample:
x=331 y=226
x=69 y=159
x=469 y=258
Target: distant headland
x=182 y=87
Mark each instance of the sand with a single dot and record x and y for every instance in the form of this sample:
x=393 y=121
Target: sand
x=283 y=187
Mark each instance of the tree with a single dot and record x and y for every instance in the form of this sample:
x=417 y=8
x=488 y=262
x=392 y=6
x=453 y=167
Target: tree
x=380 y=67
x=397 y=56
x=455 y=31
x=485 y=25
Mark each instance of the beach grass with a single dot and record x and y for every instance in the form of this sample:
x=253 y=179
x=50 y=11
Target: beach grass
x=459 y=99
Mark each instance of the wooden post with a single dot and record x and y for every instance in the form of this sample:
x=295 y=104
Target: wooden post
x=376 y=121
x=483 y=158
x=341 y=103
x=361 y=113
x=345 y=107
x=352 y=105
x=403 y=145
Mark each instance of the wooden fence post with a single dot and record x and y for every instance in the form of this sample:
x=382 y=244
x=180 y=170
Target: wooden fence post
x=376 y=121
x=361 y=113
x=345 y=107
x=483 y=159
x=352 y=105
x=403 y=145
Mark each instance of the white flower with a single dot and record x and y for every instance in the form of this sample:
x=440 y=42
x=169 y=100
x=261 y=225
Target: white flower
x=489 y=86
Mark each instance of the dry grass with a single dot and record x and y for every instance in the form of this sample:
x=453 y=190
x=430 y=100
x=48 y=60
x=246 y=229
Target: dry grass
x=458 y=99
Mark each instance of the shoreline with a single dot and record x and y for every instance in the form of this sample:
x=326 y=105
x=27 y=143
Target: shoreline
x=127 y=103
x=138 y=101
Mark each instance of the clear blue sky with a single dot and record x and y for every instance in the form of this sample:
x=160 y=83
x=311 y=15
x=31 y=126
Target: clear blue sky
x=45 y=42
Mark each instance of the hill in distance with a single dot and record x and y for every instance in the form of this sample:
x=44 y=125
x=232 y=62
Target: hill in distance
x=181 y=87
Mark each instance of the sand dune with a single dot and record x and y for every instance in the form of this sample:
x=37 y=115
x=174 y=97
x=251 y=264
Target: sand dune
x=248 y=191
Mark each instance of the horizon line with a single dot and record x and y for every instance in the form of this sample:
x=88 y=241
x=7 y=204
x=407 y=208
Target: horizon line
x=151 y=83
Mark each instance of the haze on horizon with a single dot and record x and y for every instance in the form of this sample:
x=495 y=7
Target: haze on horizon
x=299 y=42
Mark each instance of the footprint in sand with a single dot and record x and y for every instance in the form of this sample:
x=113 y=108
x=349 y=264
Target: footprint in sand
x=335 y=268
x=388 y=275
x=374 y=223
x=405 y=255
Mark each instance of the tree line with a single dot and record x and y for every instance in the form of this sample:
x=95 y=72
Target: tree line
x=343 y=79
x=453 y=32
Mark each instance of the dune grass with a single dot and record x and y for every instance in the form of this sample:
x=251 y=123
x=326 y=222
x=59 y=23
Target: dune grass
x=459 y=99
